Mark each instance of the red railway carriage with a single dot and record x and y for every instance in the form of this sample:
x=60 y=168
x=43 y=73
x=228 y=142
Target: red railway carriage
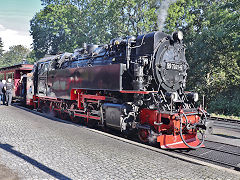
x=15 y=73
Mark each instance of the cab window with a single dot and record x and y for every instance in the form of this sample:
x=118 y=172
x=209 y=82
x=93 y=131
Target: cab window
x=46 y=67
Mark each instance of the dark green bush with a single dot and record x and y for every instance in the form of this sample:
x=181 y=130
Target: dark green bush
x=227 y=103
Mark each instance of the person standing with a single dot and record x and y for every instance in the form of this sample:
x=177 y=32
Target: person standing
x=9 y=88
x=1 y=91
x=4 y=92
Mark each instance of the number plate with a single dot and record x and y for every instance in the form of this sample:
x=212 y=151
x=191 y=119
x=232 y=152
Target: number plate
x=174 y=66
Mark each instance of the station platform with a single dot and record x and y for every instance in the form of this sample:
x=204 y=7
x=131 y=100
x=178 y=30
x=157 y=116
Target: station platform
x=36 y=147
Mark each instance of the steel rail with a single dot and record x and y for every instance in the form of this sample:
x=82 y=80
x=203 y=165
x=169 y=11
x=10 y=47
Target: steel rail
x=222 y=147
x=216 y=153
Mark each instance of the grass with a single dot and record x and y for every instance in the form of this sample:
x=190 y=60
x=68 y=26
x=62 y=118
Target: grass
x=224 y=116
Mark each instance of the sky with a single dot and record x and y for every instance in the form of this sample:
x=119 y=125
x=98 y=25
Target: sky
x=15 y=16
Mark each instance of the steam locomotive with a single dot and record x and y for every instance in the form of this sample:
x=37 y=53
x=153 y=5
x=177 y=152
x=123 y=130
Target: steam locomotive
x=133 y=84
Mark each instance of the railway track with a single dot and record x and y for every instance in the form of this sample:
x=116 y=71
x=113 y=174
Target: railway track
x=214 y=118
x=217 y=153
x=232 y=124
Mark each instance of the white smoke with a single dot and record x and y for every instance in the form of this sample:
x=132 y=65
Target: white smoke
x=163 y=12
x=50 y=114
x=152 y=139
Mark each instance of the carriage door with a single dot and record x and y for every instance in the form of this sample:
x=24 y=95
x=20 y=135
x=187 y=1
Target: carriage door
x=42 y=78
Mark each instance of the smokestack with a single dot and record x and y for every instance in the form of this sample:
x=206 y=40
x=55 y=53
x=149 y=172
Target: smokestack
x=163 y=12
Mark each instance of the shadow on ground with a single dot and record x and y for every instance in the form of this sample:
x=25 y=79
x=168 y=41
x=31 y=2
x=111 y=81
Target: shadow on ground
x=35 y=163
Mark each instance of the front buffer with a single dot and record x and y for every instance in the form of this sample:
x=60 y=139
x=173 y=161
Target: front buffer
x=173 y=130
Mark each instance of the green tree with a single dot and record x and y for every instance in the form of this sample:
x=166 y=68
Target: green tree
x=14 y=55
x=1 y=47
x=57 y=28
x=64 y=25
x=111 y=19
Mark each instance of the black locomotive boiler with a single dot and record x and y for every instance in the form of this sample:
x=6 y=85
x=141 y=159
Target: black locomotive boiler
x=134 y=84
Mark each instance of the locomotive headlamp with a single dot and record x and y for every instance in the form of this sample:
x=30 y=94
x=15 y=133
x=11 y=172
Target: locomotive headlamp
x=193 y=97
x=173 y=96
x=178 y=36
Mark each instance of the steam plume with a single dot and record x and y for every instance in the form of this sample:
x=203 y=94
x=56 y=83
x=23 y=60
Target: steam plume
x=163 y=12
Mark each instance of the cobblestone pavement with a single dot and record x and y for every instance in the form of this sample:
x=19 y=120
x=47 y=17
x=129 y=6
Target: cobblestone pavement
x=35 y=147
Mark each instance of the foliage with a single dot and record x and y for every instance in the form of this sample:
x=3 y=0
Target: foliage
x=110 y=19
x=57 y=28
x=114 y=17
x=15 y=55
x=64 y=25
x=226 y=103
x=1 y=47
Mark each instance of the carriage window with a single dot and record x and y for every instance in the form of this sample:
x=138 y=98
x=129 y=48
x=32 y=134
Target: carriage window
x=10 y=75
